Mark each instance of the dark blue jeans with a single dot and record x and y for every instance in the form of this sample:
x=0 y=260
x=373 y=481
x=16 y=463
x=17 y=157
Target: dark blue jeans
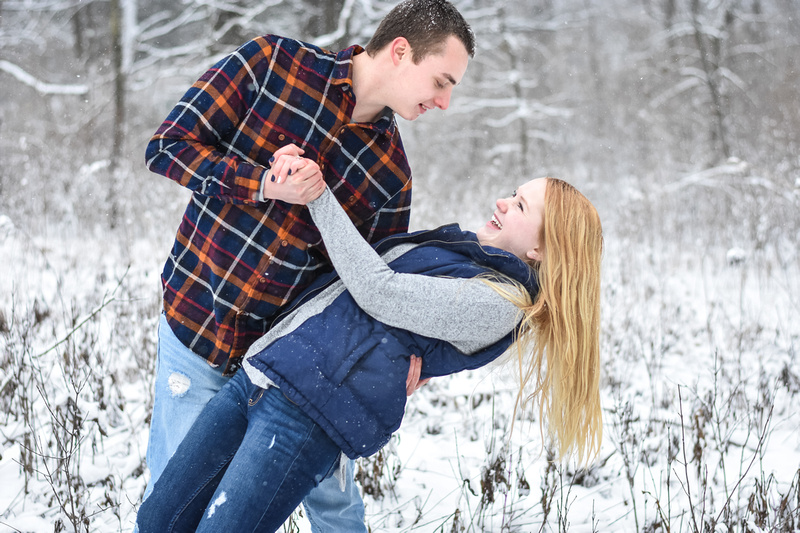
x=245 y=465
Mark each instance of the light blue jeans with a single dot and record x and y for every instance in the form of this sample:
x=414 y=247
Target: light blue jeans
x=184 y=385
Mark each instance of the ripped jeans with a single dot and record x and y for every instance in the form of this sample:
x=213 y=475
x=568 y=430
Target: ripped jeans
x=184 y=385
x=245 y=465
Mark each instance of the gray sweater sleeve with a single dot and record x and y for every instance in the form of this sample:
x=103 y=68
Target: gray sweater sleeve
x=466 y=312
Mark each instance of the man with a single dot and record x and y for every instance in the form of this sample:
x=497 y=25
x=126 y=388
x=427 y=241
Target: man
x=246 y=244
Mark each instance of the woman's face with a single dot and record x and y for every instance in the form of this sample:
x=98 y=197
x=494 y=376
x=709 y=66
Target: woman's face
x=516 y=226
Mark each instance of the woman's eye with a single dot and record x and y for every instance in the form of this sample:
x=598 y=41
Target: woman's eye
x=519 y=204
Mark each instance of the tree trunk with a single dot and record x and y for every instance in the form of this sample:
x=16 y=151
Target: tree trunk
x=118 y=126
x=710 y=71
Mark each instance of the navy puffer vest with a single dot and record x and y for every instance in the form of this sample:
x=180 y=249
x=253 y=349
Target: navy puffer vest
x=348 y=371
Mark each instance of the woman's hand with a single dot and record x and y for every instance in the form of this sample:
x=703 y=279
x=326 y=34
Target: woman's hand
x=282 y=160
x=292 y=178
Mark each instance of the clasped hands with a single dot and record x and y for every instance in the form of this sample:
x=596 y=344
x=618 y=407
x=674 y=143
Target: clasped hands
x=293 y=179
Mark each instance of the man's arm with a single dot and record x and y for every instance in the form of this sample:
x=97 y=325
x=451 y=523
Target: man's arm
x=192 y=145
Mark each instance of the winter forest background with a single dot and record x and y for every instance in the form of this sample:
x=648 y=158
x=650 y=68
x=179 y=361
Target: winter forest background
x=680 y=119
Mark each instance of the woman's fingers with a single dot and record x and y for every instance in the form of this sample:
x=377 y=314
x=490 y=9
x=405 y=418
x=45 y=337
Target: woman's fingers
x=282 y=159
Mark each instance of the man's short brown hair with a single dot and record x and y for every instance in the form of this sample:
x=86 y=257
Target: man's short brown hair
x=426 y=25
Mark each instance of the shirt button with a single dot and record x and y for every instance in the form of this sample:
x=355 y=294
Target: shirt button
x=284 y=243
x=351 y=200
x=262 y=280
x=341 y=131
x=281 y=137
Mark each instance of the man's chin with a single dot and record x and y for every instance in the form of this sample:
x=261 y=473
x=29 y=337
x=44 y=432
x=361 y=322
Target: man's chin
x=408 y=117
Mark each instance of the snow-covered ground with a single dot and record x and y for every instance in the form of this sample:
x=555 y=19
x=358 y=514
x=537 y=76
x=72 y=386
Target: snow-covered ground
x=700 y=388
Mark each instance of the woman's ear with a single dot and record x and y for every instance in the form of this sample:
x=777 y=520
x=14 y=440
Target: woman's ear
x=534 y=255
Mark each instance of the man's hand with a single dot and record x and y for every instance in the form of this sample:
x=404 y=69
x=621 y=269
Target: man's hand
x=414 y=370
x=292 y=178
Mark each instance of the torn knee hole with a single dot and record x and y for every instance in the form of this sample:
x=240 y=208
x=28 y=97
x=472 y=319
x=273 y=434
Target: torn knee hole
x=178 y=384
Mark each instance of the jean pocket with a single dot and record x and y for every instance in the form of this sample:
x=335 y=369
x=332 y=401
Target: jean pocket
x=256 y=397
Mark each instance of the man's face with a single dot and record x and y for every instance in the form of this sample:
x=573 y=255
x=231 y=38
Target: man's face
x=429 y=83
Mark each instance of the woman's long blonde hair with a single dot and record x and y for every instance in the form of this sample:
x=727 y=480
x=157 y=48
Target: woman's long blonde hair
x=557 y=347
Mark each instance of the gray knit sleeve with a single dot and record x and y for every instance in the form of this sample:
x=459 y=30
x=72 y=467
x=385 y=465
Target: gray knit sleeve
x=465 y=312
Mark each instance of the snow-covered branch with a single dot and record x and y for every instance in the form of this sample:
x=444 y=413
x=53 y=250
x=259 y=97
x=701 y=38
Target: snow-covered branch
x=341 y=27
x=41 y=86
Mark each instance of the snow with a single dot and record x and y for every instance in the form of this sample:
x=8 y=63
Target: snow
x=221 y=499
x=696 y=353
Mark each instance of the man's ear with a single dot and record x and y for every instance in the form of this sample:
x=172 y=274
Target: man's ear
x=534 y=255
x=399 y=49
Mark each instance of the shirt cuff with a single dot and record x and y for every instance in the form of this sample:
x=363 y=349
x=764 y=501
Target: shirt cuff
x=260 y=195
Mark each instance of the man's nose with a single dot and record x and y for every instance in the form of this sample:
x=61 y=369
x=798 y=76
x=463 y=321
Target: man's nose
x=443 y=101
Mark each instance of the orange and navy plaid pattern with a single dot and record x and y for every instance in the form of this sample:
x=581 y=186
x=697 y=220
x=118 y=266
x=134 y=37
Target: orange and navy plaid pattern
x=236 y=260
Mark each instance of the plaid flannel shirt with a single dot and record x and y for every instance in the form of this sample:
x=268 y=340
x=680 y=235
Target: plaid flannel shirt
x=238 y=258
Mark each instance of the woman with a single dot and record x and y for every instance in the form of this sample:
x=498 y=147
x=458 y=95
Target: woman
x=329 y=378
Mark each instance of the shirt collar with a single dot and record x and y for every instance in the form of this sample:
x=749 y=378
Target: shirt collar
x=386 y=123
x=343 y=71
